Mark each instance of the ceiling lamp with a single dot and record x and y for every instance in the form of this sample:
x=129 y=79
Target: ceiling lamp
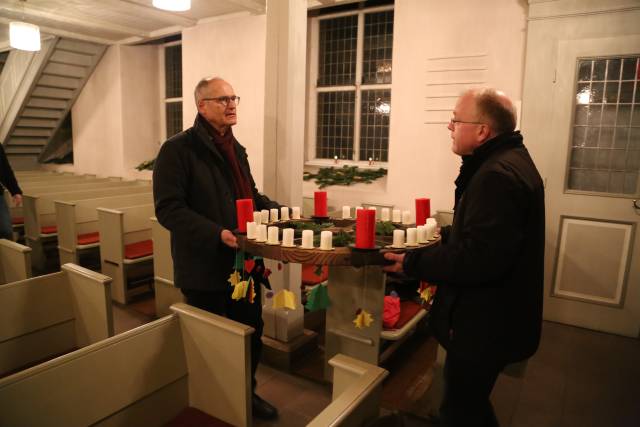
x=173 y=5
x=24 y=36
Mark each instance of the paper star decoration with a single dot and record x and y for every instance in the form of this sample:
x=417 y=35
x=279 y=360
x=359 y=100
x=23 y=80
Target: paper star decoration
x=284 y=299
x=318 y=298
x=252 y=291
x=363 y=319
x=240 y=290
x=426 y=291
x=234 y=278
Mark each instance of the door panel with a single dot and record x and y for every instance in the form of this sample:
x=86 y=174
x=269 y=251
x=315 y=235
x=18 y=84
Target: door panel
x=592 y=277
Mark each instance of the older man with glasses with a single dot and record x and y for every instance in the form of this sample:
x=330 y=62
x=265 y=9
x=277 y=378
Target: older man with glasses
x=489 y=267
x=198 y=176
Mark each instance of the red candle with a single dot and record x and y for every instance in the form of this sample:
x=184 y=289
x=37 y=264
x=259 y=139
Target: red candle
x=423 y=211
x=320 y=203
x=244 y=211
x=365 y=228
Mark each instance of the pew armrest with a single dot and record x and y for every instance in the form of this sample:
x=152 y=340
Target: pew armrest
x=15 y=261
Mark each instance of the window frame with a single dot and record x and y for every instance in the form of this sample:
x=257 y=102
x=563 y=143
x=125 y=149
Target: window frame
x=163 y=90
x=313 y=89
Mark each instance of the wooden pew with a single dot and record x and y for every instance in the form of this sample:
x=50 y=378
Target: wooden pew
x=165 y=290
x=77 y=222
x=15 y=261
x=52 y=314
x=126 y=248
x=143 y=377
x=357 y=391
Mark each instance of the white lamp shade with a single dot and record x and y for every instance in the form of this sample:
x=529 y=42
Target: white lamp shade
x=24 y=36
x=173 y=5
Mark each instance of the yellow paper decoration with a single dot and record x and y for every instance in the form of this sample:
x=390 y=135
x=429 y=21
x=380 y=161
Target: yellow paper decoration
x=240 y=290
x=251 y=291
x=425 y=293
x=234 y=278
x=284 y=299
x=363 y=319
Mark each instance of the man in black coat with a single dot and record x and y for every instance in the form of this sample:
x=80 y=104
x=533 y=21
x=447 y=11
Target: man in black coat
x=197 y=178
x=8 y=180
x=489 y=267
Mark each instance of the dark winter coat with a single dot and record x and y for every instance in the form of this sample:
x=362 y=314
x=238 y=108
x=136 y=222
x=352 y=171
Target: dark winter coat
x=194 y=199
x=490 y=267
x=7 y=178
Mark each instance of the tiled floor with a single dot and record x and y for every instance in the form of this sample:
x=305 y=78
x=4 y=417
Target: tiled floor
x=577 y=378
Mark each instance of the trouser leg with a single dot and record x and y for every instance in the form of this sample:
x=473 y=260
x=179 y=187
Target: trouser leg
x=6 y=229
x=467 y=390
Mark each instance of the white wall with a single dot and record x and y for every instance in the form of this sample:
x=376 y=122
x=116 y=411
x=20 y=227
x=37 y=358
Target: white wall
x=232 y=48
x=115 y=118
x=421 y=163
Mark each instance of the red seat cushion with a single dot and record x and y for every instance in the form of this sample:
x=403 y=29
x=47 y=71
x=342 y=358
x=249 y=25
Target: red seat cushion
x=192 y=417
x=88 y=238
x=17 y=220
x=49 y=229
x=138 y=249
x=408 y=309
x=309 y=276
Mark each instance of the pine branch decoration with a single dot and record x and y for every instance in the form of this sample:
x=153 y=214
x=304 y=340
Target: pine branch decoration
x=346 y=176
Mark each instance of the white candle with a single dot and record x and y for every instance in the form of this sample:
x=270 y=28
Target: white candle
x=257 y=217
x=273 y=215
x=262 y=233
x=412 y=236
x=432 y=221
x=398 y=239
x=384 y=214
x=264 y=214
x=273 y=236
x=295 y=212
x=422 y=234
x=326 y=240
x=406 y=217
x=346 y=212
x=252 y=230
x=431 y=231
x=284 y=213
x=287 y=237
x=396 y=215
x=307 y=239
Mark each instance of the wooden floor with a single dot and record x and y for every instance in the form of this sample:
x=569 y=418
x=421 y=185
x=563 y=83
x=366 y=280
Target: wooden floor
x=577 y=378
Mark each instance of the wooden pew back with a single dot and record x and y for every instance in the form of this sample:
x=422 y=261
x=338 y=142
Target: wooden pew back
x=141 y=377
x=48 y=315
x=15 y=261
x=165 y=291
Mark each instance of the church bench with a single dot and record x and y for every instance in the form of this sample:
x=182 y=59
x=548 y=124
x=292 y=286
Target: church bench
x=164 y=288
x=77 y=222
x=48 y=315
x=143 y=377
x=357 y=391
x=15 y=261
x=40 y=217
x=126 y=248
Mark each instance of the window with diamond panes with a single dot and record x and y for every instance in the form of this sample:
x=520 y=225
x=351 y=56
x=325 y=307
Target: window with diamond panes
x=173 y=118
x=173 y=89
x=374 y=124
x=378 y=44
x=335 y=125
x=605 y=146
x=350 y=96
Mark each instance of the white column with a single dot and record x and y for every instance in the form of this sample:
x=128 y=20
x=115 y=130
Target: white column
x=284 y=109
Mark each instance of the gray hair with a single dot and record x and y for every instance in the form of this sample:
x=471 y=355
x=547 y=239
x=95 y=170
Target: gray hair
x=495 y=107
x=202 y=86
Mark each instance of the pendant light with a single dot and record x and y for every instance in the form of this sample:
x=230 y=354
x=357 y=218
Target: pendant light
x=24 y=36
x=173 y=5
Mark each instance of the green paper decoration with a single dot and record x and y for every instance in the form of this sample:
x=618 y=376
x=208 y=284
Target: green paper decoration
x=238 y=264
x=318 y=298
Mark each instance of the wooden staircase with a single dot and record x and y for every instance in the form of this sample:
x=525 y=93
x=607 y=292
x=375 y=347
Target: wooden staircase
x=57 y=77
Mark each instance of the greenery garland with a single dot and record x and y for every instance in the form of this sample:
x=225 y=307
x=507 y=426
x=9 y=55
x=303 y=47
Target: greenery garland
x=146 y=165
x=346 y=175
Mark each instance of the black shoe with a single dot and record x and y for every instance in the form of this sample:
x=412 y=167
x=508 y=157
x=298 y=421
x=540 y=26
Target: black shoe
x=263 y=409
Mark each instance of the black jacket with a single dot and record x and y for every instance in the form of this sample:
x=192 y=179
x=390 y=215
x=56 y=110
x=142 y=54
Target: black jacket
x=194 y=199
x=490 y=267
x=7 y=178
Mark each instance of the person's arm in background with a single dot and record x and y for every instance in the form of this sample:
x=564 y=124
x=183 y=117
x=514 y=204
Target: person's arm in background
x=8 y=179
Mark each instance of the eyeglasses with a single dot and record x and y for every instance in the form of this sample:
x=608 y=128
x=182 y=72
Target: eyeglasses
x=224 y=100
x=454 y=122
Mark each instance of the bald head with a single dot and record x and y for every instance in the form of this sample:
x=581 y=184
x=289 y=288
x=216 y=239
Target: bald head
x=494 y=108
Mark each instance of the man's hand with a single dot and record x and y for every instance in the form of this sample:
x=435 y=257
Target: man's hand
x=229 y=239
x=398 y=259
x=17 y=199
